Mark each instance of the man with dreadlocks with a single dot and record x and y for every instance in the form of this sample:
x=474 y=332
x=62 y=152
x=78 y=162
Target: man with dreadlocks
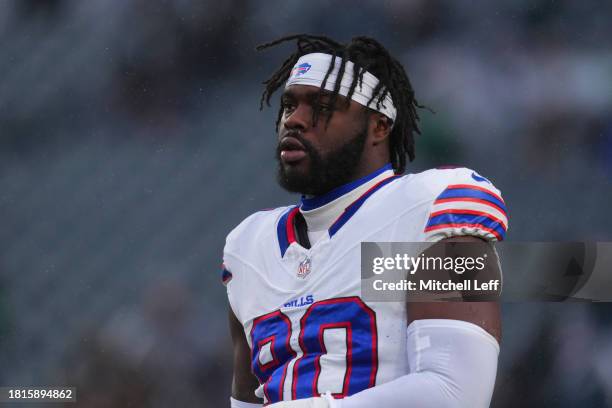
x=302 y=335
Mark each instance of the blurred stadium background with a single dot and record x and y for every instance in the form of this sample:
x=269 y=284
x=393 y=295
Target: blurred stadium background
x=131 y=143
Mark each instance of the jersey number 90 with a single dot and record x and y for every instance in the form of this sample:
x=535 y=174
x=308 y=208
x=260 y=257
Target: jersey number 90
x=328 y=328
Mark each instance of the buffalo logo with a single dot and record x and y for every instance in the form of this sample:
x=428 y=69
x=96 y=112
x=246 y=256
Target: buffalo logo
x=478 y=177
x=300 y=69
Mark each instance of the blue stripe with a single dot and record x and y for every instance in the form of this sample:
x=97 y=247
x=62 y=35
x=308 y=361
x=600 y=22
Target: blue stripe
x=281 y=231
x=469 y=193
x=483 y=220
x=319 y=201
x=352 y=209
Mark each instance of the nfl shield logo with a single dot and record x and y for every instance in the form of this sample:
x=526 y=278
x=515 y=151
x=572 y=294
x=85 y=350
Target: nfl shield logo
x=304 y=268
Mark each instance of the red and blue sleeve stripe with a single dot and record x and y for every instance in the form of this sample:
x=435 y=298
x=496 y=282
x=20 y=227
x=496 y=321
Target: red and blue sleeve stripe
x=466 y=218
x=466 y=192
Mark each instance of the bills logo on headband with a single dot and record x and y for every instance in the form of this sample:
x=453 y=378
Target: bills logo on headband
x=300 y=69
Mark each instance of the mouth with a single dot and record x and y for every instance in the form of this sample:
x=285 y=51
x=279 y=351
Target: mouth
x=291 y=150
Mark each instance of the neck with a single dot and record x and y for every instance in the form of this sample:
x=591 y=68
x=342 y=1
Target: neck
x=321 y=211
x=311 y=203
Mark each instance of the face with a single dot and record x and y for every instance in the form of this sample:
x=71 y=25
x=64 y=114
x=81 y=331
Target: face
x=316 y=157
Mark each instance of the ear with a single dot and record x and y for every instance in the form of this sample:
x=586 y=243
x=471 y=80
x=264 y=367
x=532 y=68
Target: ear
x=380 y=128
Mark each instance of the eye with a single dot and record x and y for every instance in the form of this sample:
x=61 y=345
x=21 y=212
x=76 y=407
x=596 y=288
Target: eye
x=287 y=106
x=324 y=108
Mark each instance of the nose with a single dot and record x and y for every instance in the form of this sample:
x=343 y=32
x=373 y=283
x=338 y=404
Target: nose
x=299 y=119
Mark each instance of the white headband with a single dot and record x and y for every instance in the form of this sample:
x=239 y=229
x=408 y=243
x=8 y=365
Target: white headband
x=310 y=69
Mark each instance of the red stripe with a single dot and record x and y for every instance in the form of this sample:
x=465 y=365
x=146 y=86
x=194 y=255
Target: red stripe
x=290 y=229
x=484 y=190
x=349 y=363
x=374 y=344
x=472 y=200
x=471 y=212
x=377 y=184
x=464 y=224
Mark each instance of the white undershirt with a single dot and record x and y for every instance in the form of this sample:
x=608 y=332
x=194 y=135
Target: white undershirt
x=320 y=219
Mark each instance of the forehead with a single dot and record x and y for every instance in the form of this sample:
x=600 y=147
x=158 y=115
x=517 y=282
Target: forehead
x=307 y=92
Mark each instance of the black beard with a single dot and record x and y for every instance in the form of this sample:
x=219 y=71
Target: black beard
x=326 y=172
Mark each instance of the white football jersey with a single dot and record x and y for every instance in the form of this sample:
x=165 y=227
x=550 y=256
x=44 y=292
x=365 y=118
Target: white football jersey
x=308 y=329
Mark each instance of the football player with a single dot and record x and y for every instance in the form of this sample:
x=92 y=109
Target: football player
x=302 y=334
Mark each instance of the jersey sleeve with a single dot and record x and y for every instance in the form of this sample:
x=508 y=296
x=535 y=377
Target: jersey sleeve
x=233 y=269
x=244 y=263
x=468 y=204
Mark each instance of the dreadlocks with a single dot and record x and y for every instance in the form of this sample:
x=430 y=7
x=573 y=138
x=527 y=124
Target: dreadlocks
x=366 y=54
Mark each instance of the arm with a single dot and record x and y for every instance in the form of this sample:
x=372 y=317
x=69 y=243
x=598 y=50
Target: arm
x=483 y=314
x=452 y=350
x=244 y=382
